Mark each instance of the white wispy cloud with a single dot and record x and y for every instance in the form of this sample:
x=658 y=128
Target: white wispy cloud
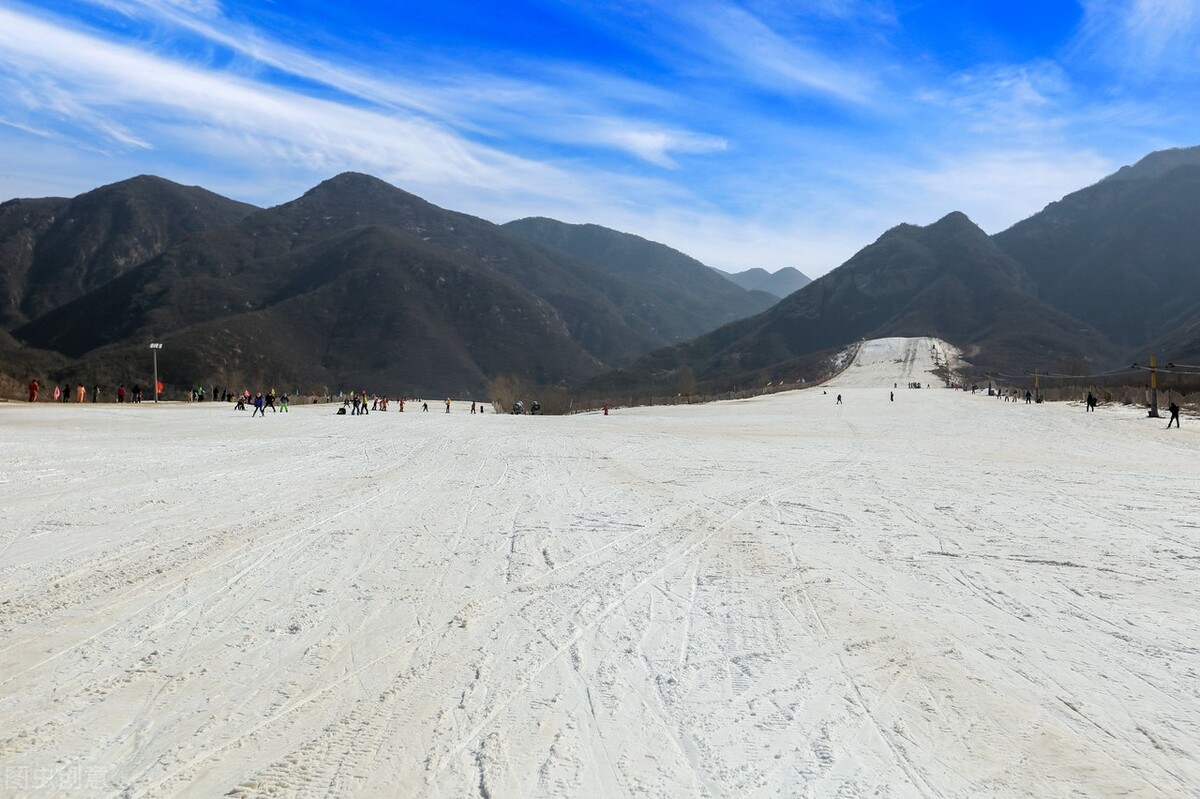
x=1023 y=101
x=1157 y=39
x=206 y=20
x=749 y=44
x=654 y=144
x=458 y=96
x=94 y=83
x=1159 y=25
x=773 y=60
x=35 y=131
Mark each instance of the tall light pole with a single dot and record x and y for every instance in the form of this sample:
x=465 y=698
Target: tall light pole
x=1153 y=389
x=155 y=348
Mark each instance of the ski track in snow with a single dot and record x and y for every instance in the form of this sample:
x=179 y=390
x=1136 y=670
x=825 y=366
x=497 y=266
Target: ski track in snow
x=941 y=596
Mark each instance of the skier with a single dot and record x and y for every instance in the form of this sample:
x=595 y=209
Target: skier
x=1091 y=402
x=472 y=406
x=425 y=407
x=283 y=403
x=447 y=405
x=120 y=393
x=260 y=406
x=1174 y=409
x=80 y=393
x=892 y=396
x=839 y=400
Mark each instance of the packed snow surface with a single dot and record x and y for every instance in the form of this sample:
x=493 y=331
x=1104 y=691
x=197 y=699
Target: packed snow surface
x=944 y=595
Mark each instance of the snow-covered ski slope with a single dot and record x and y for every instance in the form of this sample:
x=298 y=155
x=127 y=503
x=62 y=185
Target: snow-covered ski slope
x=888 y=362
x=941 y=596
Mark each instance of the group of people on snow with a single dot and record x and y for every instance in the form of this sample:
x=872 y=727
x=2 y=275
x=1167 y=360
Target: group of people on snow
x=261 y=402
x=80 y=394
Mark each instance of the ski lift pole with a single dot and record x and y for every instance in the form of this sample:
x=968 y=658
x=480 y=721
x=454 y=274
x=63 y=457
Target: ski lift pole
x=1153 y=389
x=1037 y=386
x=154 y=348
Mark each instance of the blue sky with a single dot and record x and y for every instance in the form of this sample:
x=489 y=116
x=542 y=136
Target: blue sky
x=756 y=133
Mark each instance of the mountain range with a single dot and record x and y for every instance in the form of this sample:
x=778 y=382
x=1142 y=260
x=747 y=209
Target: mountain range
x=1100 y=279
x=779 y=283
x=356 y=283
x=360 y=284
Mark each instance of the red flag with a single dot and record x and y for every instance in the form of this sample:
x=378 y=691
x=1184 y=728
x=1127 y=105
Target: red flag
x=57 y=393
x=158 y=388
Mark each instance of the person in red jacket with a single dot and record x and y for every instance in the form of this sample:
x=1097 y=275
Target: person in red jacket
x=33 y=390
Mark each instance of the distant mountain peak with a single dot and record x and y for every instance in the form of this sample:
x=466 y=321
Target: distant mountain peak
x=779 y=283
x=957 y=223
x=957 y=218
x=352 y=179
x=355 y=183
x=142 y=184
x=142 y=180
x=353 y=198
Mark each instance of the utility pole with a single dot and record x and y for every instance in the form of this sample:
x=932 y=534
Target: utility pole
x=1037 y=387
x=1153 y=389
x=155 y=348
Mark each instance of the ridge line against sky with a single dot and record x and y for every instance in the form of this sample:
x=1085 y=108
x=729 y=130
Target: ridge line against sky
x=742 y=133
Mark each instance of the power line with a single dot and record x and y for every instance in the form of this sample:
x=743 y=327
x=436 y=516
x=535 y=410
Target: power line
x=1174 y=368
x=1060 y=376
x=1181 y=368
x=1113 y=373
